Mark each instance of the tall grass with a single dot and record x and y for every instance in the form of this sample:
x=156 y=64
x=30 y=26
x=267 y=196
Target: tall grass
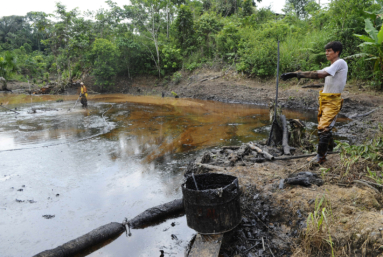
x=317 y=239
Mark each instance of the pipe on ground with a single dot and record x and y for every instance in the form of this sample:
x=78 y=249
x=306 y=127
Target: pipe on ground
x=96 y=236
x=100 y=236
x=157 y=213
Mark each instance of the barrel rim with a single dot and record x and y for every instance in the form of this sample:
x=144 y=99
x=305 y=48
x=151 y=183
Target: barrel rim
x=235 y=181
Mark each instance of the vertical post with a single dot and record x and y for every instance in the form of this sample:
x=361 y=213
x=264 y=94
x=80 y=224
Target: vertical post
x=276 y=94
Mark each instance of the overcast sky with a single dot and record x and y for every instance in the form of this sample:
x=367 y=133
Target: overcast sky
x=22 y=7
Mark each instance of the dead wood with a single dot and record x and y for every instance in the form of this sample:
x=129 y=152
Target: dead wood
x=259 y=150
x=285 y=137
x=367 y=185
x=314 y=86
x=8 y=108
x=299 y=156
x=355 y=115
x=231 y=147
x=210 y=167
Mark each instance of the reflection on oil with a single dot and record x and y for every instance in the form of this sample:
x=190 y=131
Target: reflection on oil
x=153 y=126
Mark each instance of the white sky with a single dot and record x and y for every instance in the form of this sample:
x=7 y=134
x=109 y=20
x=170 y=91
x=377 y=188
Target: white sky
x=22 y=7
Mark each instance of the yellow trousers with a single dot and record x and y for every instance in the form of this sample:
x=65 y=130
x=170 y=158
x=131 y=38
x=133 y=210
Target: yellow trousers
x=330 y=105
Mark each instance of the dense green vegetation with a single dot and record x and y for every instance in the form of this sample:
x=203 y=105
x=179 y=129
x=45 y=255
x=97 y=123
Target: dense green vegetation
x=162 y=37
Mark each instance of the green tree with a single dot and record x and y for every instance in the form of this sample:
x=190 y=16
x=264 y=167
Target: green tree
x=103 y=58
x=207 y=26
x=8 y=65
x=146 y=16
x=247 y=7
x=184 y=28
x=299 y=7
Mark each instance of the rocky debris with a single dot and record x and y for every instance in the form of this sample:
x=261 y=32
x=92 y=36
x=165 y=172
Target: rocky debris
x=231 y=156
x=305 y=179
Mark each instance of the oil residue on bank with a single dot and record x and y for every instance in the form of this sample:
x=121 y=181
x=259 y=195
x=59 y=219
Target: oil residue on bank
x=83 y=169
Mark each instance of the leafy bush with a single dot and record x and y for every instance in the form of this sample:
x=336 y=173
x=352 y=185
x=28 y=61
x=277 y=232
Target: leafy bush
x=228 y=39
x=258 y=57
x=176 y=78
x=171 y=58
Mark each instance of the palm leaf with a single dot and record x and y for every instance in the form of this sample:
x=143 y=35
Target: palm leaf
x=372 y=58
x=361 y=55
x=380 y=35
x=365 y=38
x=371 y=30
x=367 y=44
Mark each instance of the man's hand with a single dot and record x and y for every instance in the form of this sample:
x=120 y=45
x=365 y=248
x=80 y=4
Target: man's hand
x=289 y=75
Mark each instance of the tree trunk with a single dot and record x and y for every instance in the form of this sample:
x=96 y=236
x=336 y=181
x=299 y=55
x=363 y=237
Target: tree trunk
x=285 y=136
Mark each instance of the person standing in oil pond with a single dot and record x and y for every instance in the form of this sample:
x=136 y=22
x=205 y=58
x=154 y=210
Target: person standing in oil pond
x=330 y=101
x=84 y=95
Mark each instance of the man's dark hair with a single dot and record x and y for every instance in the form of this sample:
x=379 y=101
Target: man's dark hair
x=335 y=46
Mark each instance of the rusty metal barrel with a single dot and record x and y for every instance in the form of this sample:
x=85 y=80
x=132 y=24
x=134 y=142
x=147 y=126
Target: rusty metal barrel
x=215 y=207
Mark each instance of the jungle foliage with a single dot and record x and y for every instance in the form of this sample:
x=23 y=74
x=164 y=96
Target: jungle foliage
x=161 y=37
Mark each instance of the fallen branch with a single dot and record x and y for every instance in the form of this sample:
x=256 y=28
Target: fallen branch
x=231 y=147
x=371 y=183
x=259 y=150
x=216 y=77
x=210 y=167
x=1 y=104
x=355 y=115
x=367 y=185
x=285 y=139
x=313 y=86
x=299 y=156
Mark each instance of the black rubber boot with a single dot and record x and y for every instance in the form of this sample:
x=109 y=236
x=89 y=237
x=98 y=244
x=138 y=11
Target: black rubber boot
x=331 y=144
x=324 y=140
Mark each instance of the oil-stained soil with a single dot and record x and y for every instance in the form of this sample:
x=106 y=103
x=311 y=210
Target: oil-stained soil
x=275 y=213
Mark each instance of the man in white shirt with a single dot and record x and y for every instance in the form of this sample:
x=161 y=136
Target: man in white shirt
x=330 y=101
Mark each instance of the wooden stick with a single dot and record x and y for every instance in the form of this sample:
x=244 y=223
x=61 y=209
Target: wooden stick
x=211 y=167
x=371 y=183
x=231 y=147
x=285 y=139
x=364 y=183
x=299 y=156
x=259 y=150
x=360 y=115
x=313 y=86
x=8 y=108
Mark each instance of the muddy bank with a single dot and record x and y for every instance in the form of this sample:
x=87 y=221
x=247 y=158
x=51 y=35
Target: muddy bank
x=234 y=88
x=279 y=196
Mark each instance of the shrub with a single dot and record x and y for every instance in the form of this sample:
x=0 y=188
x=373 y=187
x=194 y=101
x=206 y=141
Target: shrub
x=176 y=78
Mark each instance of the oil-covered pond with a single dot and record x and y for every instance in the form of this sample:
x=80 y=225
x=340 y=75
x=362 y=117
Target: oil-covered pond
x=90 y=167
